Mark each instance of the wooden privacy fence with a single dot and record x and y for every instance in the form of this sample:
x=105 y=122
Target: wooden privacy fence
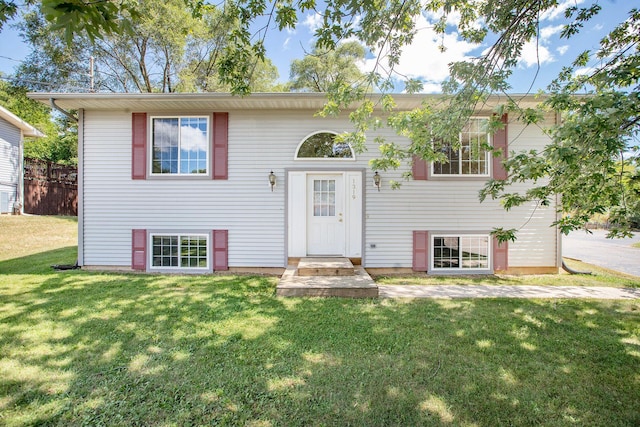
x=50 y=189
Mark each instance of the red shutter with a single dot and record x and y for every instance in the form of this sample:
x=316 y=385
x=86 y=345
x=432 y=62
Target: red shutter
x=419 y=169
x=220 y=250
x=420 y=250
x=500 y=255
x=501 y=142
x=138 y=145
x=139 y=249
x=220 y=145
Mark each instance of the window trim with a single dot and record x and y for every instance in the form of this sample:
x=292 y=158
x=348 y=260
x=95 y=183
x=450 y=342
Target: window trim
x=432 y=254
x=322 y=159
x=487 y=154
x=179 y=175
x=180 y=234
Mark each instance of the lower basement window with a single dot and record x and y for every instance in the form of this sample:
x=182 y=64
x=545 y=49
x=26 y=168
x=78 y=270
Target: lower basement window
x=188 y=251
x=460 y=252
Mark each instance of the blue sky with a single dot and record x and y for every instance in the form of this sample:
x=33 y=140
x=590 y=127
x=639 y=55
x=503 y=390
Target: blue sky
x=423 y=59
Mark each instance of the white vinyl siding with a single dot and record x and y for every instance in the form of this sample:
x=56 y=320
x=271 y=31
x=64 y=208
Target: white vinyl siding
x=243 y=204
x=10 y=165
x=255 y=217
x=448 y=206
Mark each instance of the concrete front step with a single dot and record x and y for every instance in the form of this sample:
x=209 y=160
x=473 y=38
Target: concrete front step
x=359 y=285
x=318 y=266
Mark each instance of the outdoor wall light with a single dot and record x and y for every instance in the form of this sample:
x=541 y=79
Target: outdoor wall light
x=377 y=180
x=272 y=180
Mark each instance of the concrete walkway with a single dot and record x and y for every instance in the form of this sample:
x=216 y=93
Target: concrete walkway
x=486 y=291
x=361 y=285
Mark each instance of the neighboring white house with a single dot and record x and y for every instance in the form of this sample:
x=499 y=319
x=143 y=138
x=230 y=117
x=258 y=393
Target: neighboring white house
x=183 y=183
x=12 y=132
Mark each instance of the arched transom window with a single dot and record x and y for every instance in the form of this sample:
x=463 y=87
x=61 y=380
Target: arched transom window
x=322 y=145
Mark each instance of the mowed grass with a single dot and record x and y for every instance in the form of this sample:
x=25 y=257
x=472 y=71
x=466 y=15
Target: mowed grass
x=27 y=235
x=79 y=348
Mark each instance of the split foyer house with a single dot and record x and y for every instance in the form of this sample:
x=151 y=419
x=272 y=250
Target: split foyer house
x=13 y=130
x=207 y=182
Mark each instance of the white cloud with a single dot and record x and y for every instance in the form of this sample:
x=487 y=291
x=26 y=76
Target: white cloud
x=167 y=133
x=562 y=49
x=432 y=88
x=285 y=45
x=423 y=59
x=584 y=71
x=533 y=54
x=547 y=32
x=193 y=139
x=559 y=10
x=453 y=18
x=313 y=21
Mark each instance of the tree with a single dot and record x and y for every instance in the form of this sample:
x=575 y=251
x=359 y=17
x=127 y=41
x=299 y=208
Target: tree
x=597 y=129
x=94 y=18
x=632 y=184
x=323 y=69
x=53 y=65
x=579 y=163
x=59 y=145
x=583 y=161
x=165 y=49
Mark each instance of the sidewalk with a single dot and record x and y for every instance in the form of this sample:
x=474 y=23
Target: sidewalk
x=482 y=291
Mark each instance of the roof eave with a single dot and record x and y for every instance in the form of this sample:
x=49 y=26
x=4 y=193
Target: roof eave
x=281 y=100
x=27 y=129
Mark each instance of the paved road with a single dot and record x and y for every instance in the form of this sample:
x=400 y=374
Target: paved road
x=615 y=254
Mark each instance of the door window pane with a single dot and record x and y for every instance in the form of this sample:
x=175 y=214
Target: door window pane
x=324 y=197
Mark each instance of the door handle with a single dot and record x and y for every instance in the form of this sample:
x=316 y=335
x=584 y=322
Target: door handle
x=340 y=217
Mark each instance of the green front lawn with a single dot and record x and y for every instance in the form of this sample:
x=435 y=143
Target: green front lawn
x=81 y=348
x=27 y=235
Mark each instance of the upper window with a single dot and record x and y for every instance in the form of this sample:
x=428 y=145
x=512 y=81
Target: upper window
x=471 y=158
x=466 y=252
x=180 y=145
x=322 y=145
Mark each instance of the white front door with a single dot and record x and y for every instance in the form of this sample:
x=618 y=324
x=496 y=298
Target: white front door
x=325 y=215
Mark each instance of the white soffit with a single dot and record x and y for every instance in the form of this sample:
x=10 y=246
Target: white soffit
x=225 y=101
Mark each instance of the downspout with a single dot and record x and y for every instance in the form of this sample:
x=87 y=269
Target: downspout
x=559 y=260
x=80 y=180
x=80 y=258
x=70 y=116
x=570 y=270
x=20 y=184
